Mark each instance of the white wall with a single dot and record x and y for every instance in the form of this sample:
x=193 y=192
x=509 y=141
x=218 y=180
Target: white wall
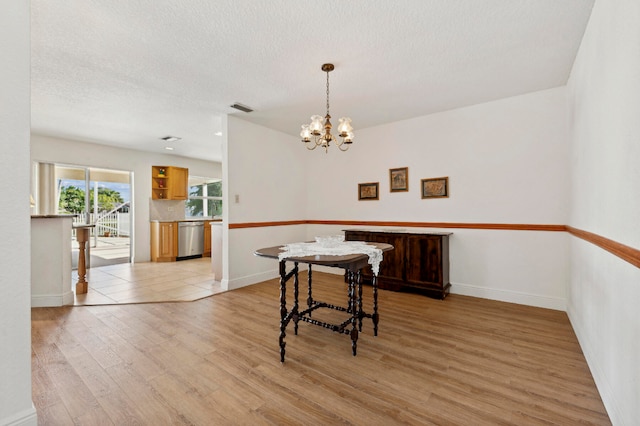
x=604 y=291
x=507 y=162
x=54 y=150
x=15 y=246
x=265 y=169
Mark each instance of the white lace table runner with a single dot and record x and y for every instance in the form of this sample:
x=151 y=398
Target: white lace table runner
x=340 y=249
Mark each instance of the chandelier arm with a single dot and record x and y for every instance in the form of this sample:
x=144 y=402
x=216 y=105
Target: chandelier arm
x=312 y=143
x=340 y=144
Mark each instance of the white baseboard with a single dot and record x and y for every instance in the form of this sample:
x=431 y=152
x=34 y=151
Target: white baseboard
x=224 y=284
x=27 y=417
x=269 y=275
x=68 y=298
x=604 y=388
x=558 y=304
x=249 y=279
x=50 y=300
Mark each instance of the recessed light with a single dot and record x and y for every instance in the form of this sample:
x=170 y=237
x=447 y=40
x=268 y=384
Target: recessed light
x=218 y=133
x=168 y=148
x=170 y=139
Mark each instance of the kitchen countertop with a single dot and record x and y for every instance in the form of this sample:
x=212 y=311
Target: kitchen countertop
x=187 y=220
x=83 y=225
x=53 y=216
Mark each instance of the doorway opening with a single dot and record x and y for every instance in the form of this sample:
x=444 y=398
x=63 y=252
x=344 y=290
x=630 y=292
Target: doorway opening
x=100 y=197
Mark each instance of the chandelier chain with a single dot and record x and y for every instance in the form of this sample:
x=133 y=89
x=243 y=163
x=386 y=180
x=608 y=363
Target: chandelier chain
x=327 y=92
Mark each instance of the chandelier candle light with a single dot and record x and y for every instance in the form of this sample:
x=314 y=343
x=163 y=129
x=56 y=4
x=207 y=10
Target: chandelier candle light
x=312 y=134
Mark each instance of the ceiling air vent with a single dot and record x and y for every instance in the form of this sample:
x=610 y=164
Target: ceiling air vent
x=241 y=107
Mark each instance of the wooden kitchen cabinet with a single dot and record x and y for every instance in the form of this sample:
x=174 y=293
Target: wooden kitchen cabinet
x=206 y=252
x=164 y=241
x=419 y=260
x=169 y=183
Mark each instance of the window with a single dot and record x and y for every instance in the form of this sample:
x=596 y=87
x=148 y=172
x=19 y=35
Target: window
x=205 y=197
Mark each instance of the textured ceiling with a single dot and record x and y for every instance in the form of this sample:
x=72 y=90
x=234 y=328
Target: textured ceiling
x=127 y=72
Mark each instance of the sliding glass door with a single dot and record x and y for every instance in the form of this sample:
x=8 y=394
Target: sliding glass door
x=100 y=197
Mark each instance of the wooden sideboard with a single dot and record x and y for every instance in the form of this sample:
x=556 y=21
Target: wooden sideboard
x=420 y=260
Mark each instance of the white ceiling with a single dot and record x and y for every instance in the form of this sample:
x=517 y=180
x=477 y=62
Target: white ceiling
x=128 y=72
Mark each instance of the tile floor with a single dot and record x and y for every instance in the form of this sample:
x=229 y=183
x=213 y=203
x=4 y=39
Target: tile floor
x=182 y=281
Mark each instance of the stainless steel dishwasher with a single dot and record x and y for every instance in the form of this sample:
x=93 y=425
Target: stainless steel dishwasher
x=190 y=239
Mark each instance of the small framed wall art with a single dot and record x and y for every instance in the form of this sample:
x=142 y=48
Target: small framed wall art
x=368 y=191
x=435 y=187
x=399 y=179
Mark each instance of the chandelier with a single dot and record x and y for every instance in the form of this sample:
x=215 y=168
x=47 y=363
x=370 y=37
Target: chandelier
x=313 y=135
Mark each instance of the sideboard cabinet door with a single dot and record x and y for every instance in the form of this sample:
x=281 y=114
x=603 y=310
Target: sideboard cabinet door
x=427 y=261
x=392 y=266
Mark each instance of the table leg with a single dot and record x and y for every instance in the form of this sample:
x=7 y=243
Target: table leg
x=309 y=296
x=359 y=284
x=294 y=311
x=349 y=292
x=354 y=313
x=283 y=308
x=374 y=317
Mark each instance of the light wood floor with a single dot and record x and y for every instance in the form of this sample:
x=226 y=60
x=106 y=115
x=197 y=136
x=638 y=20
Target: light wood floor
x=123 y=283
x=215 y=361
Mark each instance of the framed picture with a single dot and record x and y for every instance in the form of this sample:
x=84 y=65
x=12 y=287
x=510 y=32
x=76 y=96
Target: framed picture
x=435 y=187
x=368 y=191
x=399 y=179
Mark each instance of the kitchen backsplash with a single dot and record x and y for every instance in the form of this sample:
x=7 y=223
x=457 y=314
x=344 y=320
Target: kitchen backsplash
x=166 y=209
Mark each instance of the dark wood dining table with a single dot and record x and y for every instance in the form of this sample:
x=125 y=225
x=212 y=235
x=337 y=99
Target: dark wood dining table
x=353 y=265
